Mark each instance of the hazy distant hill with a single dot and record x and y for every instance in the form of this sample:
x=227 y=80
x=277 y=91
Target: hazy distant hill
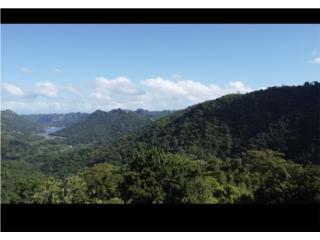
x=105 y=127
x=16 y=132
x=16 y=124
x=56 y=119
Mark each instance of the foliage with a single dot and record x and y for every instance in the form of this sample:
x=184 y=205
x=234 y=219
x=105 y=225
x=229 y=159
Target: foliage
x=18 y=181
x=283 y=181
x=154 y=176
x=103 y=183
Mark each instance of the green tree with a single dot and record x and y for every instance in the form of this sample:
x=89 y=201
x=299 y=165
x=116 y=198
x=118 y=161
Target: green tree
x=154 y=176
x=75 y=190
x=283 y=181
x=102 y=181
x=50 y=192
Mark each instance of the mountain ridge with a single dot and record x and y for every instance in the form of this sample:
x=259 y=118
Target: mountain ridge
x=101 y=126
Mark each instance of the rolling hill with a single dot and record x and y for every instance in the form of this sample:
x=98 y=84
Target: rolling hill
x=284 y=119
x=15 y=124
x=105 y=127
x=56 y=119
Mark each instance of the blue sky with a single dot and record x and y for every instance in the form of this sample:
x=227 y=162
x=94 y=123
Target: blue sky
x=67 y=68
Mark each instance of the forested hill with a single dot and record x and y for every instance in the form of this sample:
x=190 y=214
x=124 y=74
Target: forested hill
x=285 y=119
x=153 y=115
x=56 y=119
x=105 y=127
x=15 y=124
x=235 y=149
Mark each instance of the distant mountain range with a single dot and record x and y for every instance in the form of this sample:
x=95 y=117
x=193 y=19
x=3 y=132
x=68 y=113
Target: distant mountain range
x=105 y=127
x=56 y=119
x=15 y=124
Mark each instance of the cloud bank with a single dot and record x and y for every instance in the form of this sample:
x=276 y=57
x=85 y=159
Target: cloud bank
x=106 y=94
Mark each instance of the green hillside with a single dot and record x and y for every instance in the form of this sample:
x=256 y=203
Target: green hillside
x=284 y=119
x=15 y=124
x=104 y=127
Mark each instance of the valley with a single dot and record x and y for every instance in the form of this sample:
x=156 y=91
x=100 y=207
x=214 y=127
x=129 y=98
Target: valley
x=48 y=131
x=259 y=147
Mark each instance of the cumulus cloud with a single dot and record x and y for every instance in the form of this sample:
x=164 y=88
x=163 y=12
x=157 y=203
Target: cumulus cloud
x=106 y=94
x=158 y=93
x=12 y=89
x=238 y=86
x=105 y=88
x=46 y=89
x=37 y=105
x=26 y=70
x=181 y=93
x=71 y=89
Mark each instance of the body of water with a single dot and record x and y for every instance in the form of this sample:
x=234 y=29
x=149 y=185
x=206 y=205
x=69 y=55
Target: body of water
x=48 y=131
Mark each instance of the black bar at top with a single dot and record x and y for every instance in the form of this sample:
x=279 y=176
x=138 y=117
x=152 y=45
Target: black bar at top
x=160 y=15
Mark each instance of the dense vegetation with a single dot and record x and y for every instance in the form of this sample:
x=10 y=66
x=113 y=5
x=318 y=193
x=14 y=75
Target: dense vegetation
x=284 y=119
x=153 y=176
x=19 y=181
x=261 y=147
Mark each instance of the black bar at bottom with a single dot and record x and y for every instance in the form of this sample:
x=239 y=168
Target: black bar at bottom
x=160 y=217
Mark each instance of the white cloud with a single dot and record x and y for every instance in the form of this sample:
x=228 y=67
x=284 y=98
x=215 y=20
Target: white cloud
x=157 y=93
x=56 y=71
x=12 y=105
x=181 y=93
x=99 y=95
x=12 y=89
x=315 y=60
x=72 y=89
x=26 y=70
x=238 y=86
x=106 y=94
x=46 y=89
x=119 y=85
x=315 y=57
